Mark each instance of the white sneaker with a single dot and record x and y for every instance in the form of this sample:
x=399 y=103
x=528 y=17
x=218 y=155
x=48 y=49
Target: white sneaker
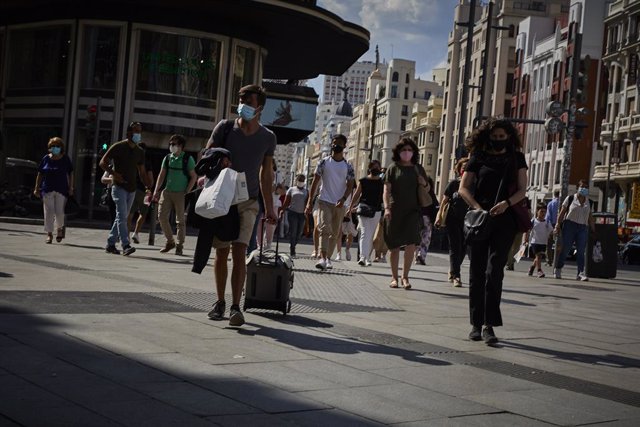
x=329 y=265
x=367 y=263
x=321 y=264
x=582 y=277
x=557 y=273
x=347 y=255
x=337 y=258
x=361 y=262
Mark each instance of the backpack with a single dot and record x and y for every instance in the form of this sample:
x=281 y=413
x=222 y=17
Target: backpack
x=457 y=206
x=185 y=164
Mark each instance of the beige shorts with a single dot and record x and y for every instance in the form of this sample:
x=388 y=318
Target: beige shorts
x=248 y=212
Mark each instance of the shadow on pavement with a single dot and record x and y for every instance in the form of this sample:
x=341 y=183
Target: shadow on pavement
x=48 y=377
x=610 y=360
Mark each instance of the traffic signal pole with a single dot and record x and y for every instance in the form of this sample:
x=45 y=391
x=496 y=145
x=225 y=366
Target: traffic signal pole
x=94 y=163
x=571 y=117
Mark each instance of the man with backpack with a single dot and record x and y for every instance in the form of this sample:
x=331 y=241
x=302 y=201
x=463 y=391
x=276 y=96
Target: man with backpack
x=178 y=169
x=574 y=221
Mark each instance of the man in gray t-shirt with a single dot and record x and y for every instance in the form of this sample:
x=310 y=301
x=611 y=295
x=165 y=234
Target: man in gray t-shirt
x=294 y=202
x=252 y=147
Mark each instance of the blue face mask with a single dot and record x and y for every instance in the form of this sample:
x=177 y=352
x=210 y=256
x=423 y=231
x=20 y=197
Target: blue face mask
x=247 y=112
x=56 y=151
x=583 y=191
x=136 y=137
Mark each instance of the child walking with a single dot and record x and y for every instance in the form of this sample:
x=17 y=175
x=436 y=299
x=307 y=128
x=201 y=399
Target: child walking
x=538 y=238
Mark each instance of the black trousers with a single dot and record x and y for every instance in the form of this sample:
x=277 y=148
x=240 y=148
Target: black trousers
x=488 y=259
x=457 y=248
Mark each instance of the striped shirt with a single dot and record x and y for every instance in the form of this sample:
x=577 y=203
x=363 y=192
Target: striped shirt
x=577 y=212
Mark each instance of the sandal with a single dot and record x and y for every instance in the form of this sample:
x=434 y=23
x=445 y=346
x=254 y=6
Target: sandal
x=405 y=283
x=60 y=235
x=393 y=284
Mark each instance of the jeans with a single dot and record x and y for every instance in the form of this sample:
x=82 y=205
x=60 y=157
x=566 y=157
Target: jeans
x=486 y=271
x=573 y=232
x=123 y=200
x=296 y=227
x=367 y=227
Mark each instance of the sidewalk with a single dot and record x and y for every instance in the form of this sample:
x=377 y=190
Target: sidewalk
x=89 y=338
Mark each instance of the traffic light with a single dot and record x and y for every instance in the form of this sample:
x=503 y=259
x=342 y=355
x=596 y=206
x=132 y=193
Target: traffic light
x=582 y=79
x=92 y=112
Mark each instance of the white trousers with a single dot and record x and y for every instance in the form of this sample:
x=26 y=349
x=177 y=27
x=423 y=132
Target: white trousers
x=367 y=227
x=53 y=204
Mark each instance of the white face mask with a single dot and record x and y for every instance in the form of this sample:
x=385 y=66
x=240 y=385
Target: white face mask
x=174 y=149
x=300 y=184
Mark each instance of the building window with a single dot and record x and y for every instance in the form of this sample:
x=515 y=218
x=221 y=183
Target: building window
x=429 y=159
x=427 y=95
x=403 y=124
x=406 y=93
x=431 y=136
x=405 y=110
x=546 y=174
x=509 y=83
x=395 y=76
x=394 y=91
x=556 y=178
x=406 y=78
x=38 y=58
x=187 y=66
x=99 y=68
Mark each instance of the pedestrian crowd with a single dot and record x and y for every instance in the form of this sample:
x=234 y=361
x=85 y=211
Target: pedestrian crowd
x=392 y=209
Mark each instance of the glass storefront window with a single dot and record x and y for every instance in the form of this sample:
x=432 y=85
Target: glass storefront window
x=38 y=58
x=178 y=65
x=100 y=57
x=243 y=73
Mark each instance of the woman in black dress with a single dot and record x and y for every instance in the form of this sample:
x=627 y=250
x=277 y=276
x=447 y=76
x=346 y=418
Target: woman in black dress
x=494 y=154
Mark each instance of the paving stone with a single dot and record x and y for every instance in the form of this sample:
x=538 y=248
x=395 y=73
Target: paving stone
x=62 y=416
x=194 y=399
x=119 y=342
x=261 y=396
x=186 y=367
x=338 y=373
x=329 y=417
x=148 y=412
x=119 y=369
x=18 y=395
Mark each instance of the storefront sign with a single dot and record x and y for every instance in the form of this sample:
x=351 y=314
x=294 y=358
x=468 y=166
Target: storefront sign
x=289 y=114
x=635 y=201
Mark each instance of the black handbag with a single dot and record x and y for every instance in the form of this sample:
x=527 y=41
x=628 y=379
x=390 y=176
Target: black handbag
x=476 y=221
x=365 y=211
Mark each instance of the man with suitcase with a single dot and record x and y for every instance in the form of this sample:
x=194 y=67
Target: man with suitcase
x=251 y=146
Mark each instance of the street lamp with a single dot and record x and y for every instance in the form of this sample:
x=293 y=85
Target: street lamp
x=374 y=117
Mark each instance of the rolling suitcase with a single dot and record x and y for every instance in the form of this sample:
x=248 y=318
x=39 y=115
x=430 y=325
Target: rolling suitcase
x=269 y=280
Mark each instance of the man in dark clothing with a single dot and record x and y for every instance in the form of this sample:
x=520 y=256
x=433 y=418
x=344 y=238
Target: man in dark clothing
x=123 y=161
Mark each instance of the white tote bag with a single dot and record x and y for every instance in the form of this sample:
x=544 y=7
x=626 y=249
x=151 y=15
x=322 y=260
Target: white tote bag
x=242 y=193
x=216 y=197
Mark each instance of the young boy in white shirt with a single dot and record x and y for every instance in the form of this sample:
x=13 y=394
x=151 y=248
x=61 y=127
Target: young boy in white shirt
x=538 y=237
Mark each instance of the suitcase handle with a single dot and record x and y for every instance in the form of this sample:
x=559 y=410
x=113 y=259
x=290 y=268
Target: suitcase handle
x=276 y=234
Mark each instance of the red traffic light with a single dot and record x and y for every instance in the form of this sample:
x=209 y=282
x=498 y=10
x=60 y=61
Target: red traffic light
x=92 y=109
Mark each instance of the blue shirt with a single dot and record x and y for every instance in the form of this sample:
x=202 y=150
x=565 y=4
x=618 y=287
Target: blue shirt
x=552 y=211
x=55 y=174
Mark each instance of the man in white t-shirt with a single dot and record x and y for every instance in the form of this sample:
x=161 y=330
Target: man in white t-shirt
x=337 y=177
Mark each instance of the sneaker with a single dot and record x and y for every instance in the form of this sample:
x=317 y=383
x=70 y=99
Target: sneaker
x=347 y=255
x=179 y=249
x=488 y=336
x=457 y=283
x=582 y=277
x=557 y=273
x=135 y=238
x=540 y=274
x=367 y=263
x=217 y=312
x=168 y=246
x=361 y=262
x=322 y=264
x=475 y=334
x=451 y=277
x=337 y=258
x=533 y=267
x=236 y=318
x=313 y=254
x=111 y=249
x=329 y=265
x=510 y=267
x=128 y=250
x=420 y=260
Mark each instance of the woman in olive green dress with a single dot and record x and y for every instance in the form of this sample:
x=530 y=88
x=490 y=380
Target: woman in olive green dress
x=402 y=217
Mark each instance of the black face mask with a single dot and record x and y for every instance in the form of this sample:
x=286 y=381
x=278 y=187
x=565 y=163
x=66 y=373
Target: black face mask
x=337 y=148
x=375 y=172
x=497 y=145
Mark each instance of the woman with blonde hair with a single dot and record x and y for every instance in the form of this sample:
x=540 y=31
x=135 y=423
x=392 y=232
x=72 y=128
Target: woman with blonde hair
x=54 y=184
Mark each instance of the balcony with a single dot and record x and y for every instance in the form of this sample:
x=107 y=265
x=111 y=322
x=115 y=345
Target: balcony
x=624 y=124
x=619 y=172
x=606 y=128
x=616 y=7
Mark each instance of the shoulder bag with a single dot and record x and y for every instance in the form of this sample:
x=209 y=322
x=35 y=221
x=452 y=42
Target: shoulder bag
x=476 y=221
x=520 y=209
x=424 y=198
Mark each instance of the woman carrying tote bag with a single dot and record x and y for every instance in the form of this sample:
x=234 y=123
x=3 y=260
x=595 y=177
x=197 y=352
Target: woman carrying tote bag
x=492 y=148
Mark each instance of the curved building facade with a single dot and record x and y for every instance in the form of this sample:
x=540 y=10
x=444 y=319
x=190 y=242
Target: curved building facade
x=84 y=71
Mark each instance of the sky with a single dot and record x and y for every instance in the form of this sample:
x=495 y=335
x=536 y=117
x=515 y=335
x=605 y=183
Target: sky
x=417 y=30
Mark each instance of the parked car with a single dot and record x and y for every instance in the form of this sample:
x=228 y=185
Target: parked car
x=15 y=193
x=630 y=252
